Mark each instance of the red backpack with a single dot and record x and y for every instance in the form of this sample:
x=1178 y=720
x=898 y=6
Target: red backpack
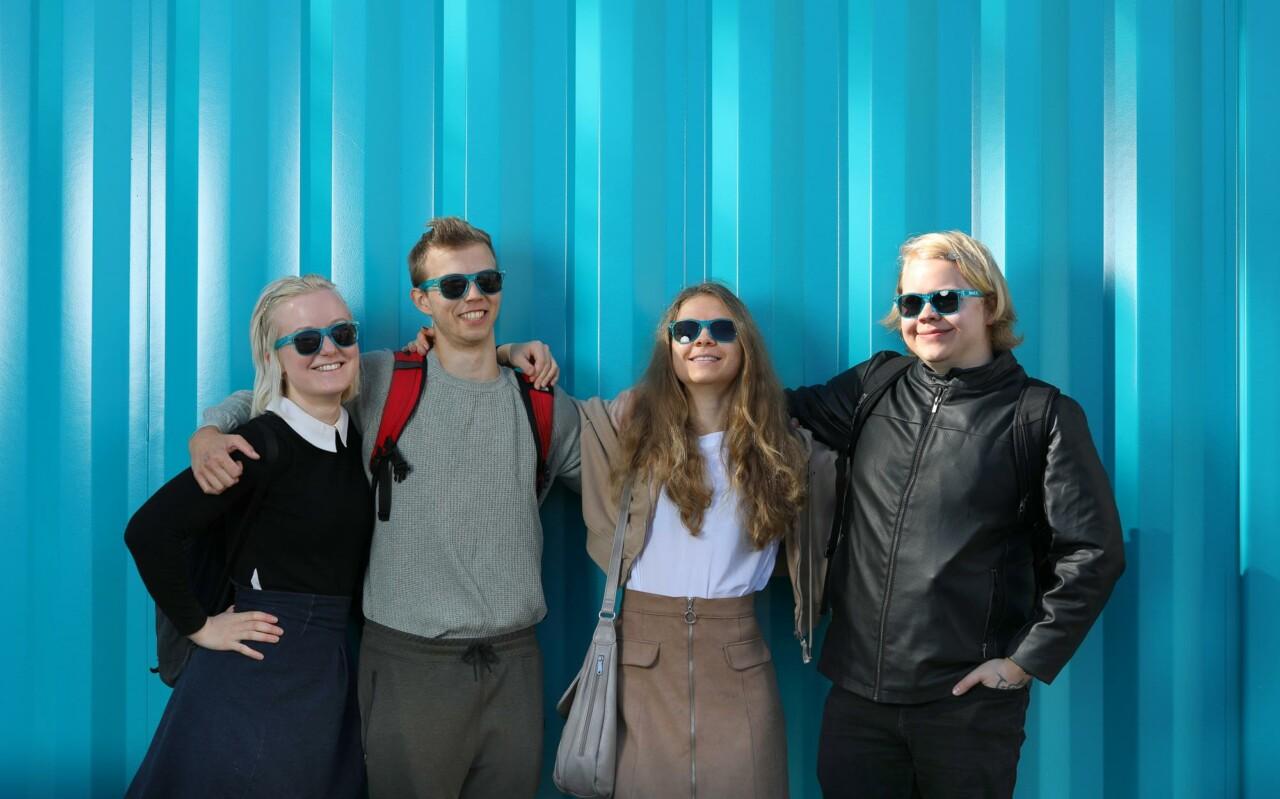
x=407 y=383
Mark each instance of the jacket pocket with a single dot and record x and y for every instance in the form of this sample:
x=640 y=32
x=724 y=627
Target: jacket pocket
x=989 y=627
x=745 y=654
x=634 y=652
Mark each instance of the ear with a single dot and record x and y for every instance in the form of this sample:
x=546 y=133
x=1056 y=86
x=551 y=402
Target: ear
x=421 y=300
x=989 y=310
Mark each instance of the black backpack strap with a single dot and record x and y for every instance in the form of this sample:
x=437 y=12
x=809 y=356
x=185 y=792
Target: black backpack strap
x=875 y=382
x=270 y=453
x=1032 y=417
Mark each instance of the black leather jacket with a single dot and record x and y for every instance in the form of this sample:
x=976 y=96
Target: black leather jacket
x=936 y=575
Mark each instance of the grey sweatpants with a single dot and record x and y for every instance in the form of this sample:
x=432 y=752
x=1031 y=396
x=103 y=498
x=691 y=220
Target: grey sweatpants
x=451 y=718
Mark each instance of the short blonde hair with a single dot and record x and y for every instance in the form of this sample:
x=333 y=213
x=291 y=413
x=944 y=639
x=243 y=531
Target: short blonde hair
x=444 y=233
x=269 y=377
x=979 y=268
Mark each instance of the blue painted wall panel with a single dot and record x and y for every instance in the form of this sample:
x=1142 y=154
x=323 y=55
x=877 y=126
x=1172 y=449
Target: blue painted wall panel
x=161 y=160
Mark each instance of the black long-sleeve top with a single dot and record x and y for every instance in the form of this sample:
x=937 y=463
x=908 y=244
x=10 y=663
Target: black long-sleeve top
x=310 y=531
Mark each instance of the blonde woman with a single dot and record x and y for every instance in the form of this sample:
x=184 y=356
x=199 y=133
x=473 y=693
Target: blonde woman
x=265 y=706
x=723 y=483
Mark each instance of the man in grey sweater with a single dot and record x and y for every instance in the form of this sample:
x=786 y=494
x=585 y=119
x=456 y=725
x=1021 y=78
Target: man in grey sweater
x=450 y=676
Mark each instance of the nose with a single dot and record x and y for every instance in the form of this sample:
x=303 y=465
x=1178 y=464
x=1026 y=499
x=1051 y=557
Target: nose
x=472 y=287
x=928 y=313
x=327 y=347
x=704 y=338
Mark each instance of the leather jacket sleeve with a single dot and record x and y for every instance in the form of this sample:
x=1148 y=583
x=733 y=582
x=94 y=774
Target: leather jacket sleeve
x=1085 y=552
x=827 y=410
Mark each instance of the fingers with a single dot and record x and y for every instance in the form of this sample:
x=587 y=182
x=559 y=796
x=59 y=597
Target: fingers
x=534 y=359
x=216 y=471
x=258 y=623
x=239 y=444
x=266 y=638
x=247 y=652
x=546 y=370
x=971 y=679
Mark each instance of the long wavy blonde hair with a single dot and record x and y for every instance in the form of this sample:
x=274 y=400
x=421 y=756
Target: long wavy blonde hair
x=765 y=457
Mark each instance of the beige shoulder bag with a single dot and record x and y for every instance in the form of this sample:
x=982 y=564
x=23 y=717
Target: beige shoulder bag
x=588 y=753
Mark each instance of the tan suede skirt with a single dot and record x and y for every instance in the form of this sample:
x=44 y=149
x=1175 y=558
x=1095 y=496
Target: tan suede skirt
x=700 y=714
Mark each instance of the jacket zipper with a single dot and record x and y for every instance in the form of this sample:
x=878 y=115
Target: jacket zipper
x=897 y=534
x=689 y=619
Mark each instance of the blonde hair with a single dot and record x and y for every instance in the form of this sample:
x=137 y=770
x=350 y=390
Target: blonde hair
x=269 y=377
x=765 y=457
x=979 y=268
x=444 y=233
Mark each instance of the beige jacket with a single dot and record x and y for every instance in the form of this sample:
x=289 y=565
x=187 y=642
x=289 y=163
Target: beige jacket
x=805 y=555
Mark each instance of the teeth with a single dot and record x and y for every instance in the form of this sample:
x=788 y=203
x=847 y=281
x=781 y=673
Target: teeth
x=328 y=367
x=473 y=315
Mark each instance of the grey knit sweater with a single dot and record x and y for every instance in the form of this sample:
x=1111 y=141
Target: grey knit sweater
x=461 y=556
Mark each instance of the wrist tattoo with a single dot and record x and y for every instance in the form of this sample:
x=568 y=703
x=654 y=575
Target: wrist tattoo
x=1004 y=685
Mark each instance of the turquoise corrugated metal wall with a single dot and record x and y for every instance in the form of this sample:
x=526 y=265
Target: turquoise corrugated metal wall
x=160 y=161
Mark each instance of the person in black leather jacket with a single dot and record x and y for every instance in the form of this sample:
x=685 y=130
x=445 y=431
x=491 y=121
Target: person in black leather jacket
x=945 y=604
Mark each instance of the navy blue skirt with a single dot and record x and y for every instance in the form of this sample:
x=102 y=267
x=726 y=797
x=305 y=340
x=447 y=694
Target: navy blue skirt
x=287 y=725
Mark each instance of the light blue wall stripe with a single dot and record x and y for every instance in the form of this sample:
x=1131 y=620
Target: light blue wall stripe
x=1259 y=474
x=137 y=629
x=725 y=185
x=110 y=441
x=17 y=250
x=316 y=183
x=213 y=204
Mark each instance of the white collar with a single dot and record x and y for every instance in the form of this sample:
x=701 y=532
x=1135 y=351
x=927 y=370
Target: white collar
x=317 y=433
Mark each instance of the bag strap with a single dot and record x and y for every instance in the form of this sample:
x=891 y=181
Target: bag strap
x=875 y=383
x=1031 y=422
x=608 y=604
x=270 y=453
x=539 y=404
x=408 y=379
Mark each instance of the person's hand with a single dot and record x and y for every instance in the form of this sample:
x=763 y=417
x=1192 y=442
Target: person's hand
x=1002 y=674
x=534 y=359
x=422 y=344
x=229 y=630
x=211 y=462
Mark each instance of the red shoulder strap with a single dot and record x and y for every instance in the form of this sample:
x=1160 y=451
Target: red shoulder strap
x=407 y=380
x=540 y=405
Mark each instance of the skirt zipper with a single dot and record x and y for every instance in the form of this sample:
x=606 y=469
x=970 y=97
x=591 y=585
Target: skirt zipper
x=689 y=619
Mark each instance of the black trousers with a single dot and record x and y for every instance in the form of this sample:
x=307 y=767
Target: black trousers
x=961 y=746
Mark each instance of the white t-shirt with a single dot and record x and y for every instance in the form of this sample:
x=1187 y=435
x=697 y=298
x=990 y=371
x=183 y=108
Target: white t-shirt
x=718 y=562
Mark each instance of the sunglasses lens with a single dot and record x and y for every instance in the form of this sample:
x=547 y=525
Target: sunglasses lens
x=308 y=342
x=724 y=330
x=343 y=334
x=910 y=306
x=685 y=331
x=453 y=286
x=489 y=281
x=946 y=302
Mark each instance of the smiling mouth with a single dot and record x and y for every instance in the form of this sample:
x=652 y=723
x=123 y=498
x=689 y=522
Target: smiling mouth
x=705 y=358
x=472 y=316
x=327 y=367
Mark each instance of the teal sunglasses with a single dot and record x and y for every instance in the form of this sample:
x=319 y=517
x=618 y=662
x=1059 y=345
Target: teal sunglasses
x=456 y=286
x=684 y=331
x=309 y=340
x=944 y=301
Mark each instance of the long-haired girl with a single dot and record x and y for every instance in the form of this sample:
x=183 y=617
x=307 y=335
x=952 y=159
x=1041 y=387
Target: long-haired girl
x=721 y=478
